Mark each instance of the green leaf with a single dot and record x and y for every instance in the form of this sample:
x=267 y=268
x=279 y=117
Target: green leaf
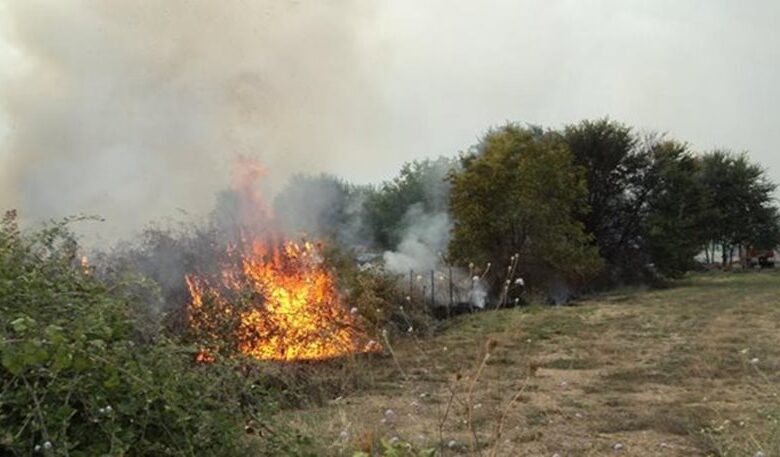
x=33 y=353
x=12 y=362
x=21 y=324
x=113 y=380
x=98 y=344
x=81 y=363
x=63 y=359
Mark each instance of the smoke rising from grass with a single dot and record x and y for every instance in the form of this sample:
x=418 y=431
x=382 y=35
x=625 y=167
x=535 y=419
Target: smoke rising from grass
x=131 y=110
x=422 y=243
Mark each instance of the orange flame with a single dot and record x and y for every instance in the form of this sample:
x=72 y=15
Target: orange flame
x=277 y=301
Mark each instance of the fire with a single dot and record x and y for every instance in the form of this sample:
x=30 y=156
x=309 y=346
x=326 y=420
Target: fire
x=274 y=300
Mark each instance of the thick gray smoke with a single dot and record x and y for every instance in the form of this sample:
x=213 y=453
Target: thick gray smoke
x=132 y=110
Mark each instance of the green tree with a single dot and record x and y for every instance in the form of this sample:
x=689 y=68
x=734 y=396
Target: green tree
x=676 y=208
x=519 y=192
x=615 y=167
x=421 y=183
x=741 y=210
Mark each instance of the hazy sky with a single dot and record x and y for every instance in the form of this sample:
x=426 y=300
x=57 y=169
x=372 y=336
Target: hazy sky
x=133 y=109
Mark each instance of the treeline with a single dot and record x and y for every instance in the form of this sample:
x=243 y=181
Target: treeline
x=592 y=205
x=597 y=202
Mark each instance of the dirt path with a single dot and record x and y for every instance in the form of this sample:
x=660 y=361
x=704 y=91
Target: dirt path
x=664 y=373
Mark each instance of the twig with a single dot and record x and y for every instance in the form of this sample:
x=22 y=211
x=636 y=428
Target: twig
x=392 y=354
x=470 y=402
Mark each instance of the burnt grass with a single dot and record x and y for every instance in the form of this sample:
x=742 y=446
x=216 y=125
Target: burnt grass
x=690 y=370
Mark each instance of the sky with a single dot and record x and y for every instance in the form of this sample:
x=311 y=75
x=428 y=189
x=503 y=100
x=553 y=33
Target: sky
x=135 y=110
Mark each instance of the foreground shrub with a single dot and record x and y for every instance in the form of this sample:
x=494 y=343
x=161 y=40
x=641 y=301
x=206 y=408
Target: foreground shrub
x=75 y=381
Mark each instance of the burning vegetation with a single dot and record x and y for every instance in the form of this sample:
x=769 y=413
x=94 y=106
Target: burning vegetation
x=274 y=298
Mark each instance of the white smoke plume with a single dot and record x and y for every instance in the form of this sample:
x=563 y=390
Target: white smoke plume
x=421 y=253
x=132 y=110
x=423 y=241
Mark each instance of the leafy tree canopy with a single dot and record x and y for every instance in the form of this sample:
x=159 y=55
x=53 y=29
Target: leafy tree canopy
x=519 y=192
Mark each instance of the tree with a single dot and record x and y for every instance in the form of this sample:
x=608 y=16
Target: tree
x=676 y=208
x=421 y=184
x=615 y=167
x=741 y=212
x=519 y=192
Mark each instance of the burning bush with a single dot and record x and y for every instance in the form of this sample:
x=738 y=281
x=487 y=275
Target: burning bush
x=272 y=298
x=75 y=381
x=278 y=301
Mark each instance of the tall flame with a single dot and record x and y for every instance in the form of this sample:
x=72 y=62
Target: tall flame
x=280 y=299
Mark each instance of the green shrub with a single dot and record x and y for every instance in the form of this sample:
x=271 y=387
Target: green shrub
x=76 y=380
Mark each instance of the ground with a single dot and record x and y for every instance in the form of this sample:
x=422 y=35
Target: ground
x=691 y=370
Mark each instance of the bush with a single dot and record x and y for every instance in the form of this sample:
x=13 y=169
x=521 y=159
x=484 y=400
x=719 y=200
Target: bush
x=375 y=293
x=75 y=380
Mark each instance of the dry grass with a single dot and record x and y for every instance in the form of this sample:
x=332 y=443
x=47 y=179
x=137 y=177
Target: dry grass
x=634 y=373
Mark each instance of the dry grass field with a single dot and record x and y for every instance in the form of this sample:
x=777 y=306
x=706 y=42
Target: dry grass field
x=690 y=370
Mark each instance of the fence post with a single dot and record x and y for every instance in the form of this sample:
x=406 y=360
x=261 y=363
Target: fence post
x=449 y=305
x=433 y=289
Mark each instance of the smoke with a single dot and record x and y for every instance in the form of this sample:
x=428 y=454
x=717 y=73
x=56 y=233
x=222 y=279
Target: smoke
x=423 y=241
x=131 y=110
x=421 y=254
x=322 y=206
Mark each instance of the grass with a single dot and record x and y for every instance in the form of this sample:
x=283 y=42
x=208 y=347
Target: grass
x=691 y=370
